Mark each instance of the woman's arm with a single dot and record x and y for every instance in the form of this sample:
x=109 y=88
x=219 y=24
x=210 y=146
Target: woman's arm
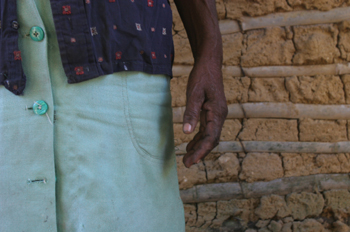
x=206 y=100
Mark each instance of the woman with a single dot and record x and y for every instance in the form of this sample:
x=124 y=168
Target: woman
x=97 y=155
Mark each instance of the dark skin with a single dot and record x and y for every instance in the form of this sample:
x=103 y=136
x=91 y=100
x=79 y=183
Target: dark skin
x=206 y=102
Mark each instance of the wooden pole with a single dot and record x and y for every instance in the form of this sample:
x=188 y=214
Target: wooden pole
x=282 y=186
x=276 y=147
x=279 y=110
x=294 y=18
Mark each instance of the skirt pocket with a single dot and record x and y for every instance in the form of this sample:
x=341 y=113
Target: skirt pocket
x=148 y=114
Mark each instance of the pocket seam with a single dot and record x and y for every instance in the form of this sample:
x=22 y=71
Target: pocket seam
x=141 y=151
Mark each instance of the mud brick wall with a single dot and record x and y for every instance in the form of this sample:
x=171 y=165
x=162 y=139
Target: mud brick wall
x=283 y=161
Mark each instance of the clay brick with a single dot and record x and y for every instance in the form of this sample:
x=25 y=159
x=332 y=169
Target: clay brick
x=269 y=130
x=220 y=9
x=299 y=164
x=251 y=230
x=222 y=168
x=193 y=229
x=308 y=164
x=260 y=44
x=177 y=22
x=322 y=130
x=316 y=44
x=236 y=89
x=308 y=225
x=190 y=214
x=344 y=40
x=230 y=130
x=316 y=5
x=206 y=213
x=253 y=170
x=236 y=9
x=336 y=200
x=233 y=45
x=242 y=209
x=275 y=226
x=304 y=205
x=320 y=89
x=188 y=177
x=288 y=219
x=265 y=229
x=328 y=163
x=271 y=206
x=178 y=86
x=287 y=227
x=346 y=82
x=344 y=160
x=268 y=90
x=183 y=49
x=340 y=226
x=262 y=223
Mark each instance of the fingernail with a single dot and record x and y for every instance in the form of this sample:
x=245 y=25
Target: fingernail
x=187 y=127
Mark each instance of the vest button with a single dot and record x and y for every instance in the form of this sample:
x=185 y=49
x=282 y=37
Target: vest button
x=36 y=33
x=40 y=107
x=15 y=25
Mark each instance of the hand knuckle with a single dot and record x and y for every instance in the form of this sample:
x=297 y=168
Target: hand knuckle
x=209 y=146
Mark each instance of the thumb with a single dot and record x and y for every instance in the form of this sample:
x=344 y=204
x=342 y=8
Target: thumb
x=191 y=116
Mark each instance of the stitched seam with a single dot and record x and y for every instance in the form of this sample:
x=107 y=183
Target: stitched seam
x=142 y=152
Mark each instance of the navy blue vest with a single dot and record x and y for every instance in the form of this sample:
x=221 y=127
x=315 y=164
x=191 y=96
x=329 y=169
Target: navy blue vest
x=96 y=37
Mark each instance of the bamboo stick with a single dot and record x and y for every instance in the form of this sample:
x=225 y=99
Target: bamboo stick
x=276 y=147
x=229 y=27
x=309 y=17
x=283 y=186
x=181 y=70
x=274 y=71
x=285 y=71
x=292 y=111
x=234 y=71
x=184 y=70
x=279 y=110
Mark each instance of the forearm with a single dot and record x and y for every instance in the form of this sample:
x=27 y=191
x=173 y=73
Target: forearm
x=205 y=96
x=201 y=24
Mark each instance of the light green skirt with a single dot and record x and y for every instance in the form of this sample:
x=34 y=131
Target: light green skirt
x=102 y=158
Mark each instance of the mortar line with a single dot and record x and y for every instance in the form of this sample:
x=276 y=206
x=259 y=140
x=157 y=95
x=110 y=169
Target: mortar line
x=294 y=44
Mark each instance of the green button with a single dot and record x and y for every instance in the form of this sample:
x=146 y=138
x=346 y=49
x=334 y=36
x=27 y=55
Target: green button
x=36 y=33
x=40 y=107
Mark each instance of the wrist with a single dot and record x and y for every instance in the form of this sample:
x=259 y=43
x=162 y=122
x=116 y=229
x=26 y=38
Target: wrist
x=210 y=61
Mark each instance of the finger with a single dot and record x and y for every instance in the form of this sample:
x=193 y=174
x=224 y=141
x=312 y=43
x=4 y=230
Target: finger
x=212 y=119
x=186 y=161
x=199 y=135
x=190 y=120
x=195 y=139
x=210 y=140
x=194 y=146
x=204 y=147
x=215 y=118
x=192 y=113
x=203 y=120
